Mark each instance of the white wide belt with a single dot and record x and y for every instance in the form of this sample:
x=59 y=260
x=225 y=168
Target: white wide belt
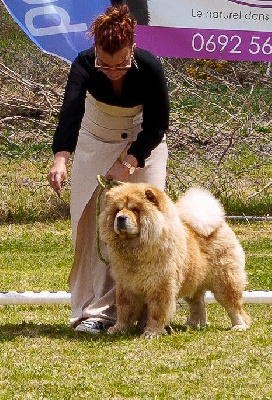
x=110 y=123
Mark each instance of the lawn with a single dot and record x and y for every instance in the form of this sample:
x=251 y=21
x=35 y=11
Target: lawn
x=43 y=358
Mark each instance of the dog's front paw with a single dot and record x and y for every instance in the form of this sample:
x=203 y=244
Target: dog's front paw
x=117 y=328
x=194 y=326
x=153 y=334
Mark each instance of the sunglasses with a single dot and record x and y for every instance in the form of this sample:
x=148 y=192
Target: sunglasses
x=126 y=64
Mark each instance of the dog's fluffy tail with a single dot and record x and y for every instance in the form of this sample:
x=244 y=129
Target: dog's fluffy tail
x=201 y=210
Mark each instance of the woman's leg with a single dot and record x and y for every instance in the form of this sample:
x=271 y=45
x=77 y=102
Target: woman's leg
x=92 y=287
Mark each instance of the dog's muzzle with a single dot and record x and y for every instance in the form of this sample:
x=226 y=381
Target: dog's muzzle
x=125 y=225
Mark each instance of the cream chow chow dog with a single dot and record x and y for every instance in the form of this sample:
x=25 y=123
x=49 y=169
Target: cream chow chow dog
x=160 y=251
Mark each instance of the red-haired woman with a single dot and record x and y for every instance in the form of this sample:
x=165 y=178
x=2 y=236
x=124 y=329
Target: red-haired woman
x=114 y=117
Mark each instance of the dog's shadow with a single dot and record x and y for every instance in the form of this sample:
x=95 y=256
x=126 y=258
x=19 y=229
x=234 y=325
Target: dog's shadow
x=9 y=332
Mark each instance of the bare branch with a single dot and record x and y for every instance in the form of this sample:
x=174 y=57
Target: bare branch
x=260 y=191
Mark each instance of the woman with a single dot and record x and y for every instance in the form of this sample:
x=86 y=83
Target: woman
x=114 y=117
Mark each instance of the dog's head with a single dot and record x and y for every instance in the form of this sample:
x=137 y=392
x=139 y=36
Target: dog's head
x=134 y=211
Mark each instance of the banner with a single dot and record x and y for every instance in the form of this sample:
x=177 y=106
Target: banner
x=212 y=29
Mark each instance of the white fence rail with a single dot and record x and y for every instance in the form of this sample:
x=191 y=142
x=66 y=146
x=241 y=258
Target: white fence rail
x=62 y=297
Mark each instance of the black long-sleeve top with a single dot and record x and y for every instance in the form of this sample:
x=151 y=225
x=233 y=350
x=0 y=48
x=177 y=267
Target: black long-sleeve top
x=144 y=84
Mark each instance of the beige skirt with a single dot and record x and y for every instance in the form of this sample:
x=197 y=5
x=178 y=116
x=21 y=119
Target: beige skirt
x=106 y=133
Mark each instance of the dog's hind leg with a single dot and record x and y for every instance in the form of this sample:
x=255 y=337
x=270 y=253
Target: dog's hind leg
x=232 y=301
x=197 y=311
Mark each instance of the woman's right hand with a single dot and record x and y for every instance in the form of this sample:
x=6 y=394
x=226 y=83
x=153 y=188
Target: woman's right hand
x=58 y=172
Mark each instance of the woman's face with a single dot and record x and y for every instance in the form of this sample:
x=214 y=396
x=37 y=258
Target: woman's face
x=114 y=66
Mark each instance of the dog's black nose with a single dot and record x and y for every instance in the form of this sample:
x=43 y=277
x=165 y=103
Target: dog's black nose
x=121 y=221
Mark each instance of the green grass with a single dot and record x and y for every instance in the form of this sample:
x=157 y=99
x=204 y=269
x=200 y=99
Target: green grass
x=35 y=256
x=42 y=358
x=256 y=241
x=25 y=194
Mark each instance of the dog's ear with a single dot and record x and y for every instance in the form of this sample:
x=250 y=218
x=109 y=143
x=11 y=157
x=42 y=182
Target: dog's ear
x=152 y=196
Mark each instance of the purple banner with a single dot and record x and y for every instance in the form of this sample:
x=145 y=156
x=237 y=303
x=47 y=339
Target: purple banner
x=206 y=43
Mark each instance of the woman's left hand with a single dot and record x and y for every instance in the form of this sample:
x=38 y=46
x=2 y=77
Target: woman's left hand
x=118 y=171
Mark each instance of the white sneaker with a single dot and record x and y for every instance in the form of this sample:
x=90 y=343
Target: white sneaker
x=94 y=327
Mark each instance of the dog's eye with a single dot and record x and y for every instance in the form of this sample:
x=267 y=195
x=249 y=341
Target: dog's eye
x=135 y=210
